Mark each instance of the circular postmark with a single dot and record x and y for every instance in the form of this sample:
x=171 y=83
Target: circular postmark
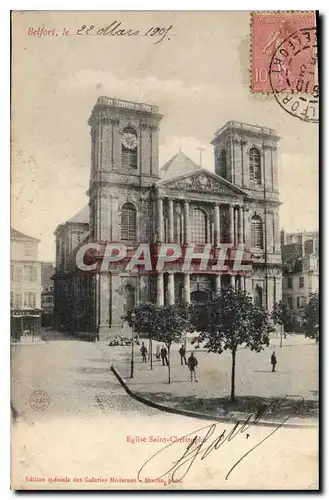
x=39 y=400
x=294 y=75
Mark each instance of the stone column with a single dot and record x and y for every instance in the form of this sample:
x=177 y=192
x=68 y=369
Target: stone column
x=240 y=226
x=218 y=285
x=231 y=222
x=217 y=225
x=171 y=220
x=171 y=289
x=248 y=285
x=160 y=298
x=186 y=222
x=160 y=225
x=187 y=288
x=247 y=236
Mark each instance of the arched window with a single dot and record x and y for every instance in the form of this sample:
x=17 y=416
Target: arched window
x=129 y=149
x=128 y=222
x=198 y=225
x=255 y=165
x=222 y=163
x=256 y=227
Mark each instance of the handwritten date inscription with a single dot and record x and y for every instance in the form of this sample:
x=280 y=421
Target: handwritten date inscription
x=117 y=29
x=177 y=459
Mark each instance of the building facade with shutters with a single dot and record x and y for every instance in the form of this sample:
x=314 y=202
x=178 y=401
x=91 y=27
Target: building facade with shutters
x=132 y=201
x=300 y=256
x=25 y=285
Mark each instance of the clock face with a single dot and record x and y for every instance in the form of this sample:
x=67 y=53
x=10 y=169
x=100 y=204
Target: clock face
x=129 y=140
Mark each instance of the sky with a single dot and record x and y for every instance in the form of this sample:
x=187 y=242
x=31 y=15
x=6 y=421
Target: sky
x=199 y=78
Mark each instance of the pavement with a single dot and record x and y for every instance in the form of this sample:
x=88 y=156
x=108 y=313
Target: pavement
x=296 y=376
x=92 y=435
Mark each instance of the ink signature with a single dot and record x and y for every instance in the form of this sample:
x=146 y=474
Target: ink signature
x=203 y=441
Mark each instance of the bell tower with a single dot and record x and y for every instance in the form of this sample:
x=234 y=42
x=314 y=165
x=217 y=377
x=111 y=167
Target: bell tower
x=124 y=167
x=246 y=155
x=124 y=158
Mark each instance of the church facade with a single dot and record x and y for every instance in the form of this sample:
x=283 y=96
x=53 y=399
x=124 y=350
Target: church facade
x=132 y=201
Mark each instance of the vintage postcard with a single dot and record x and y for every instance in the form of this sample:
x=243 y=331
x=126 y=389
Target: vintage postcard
x=164 y=250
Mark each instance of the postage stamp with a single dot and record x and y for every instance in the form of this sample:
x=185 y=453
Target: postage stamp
x=268 y=31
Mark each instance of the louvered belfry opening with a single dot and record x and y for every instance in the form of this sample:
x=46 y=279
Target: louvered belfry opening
x=128 y=222
x=129 y=156
x=256 y=227
x=255 y=165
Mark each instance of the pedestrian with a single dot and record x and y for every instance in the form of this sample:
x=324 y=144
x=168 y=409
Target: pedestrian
x=182 y=352
x=192 y=364
x=157 y=354
x=164 y=356
x=143 y=352
x=96 y=336
x=273 y=361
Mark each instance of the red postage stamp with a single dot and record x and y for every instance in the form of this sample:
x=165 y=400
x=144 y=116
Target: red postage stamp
x=269 y=30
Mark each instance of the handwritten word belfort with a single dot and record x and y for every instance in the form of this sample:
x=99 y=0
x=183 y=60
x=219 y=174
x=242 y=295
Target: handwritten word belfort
x=114 y=29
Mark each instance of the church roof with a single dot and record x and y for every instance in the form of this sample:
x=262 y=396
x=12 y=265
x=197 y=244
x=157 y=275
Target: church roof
x=178 y=165
x=81 y=217
x=17 y=235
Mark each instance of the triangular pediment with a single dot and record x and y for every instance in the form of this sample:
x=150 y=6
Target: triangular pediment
x=202 y=181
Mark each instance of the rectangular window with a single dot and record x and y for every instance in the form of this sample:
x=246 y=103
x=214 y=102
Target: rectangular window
x=289 y=282
x=289 y=302
x=28 y=249
x=18 y=300
x=18 y=273
x=29 y=299
x=301 y=282
x=300 y=302
x=30 y=273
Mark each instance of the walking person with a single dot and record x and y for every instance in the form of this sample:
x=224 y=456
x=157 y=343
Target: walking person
x=192 y=364
x=164 y=356
x=144 y=352
x=182 y=352
x=273 y=361
x=158 y=354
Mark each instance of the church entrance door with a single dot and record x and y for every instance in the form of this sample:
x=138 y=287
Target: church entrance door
x=199 y=296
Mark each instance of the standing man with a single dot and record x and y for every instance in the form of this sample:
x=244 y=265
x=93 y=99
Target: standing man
x=182 y=353
x=143 y=352
x=273 y=361
x=192 y=364
x=164 y=356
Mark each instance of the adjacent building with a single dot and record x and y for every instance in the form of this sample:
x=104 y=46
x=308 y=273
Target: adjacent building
x=25 y=280
x=300 y=256
x=133 y=201
x=47 y=294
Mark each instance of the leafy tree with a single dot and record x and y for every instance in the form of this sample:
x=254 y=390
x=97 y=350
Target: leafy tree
x=166 y=324
x=229 y=321
x=284 y=315
x=144 y=322
x=311 y=318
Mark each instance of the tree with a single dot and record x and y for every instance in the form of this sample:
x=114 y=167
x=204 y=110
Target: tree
x=284 y=315
x=311 y=318
x=229 y=321
x=165 y=324
x=144 y=322
x=171 y=322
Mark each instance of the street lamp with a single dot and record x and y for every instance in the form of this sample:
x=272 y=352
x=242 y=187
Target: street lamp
x=132 y=319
